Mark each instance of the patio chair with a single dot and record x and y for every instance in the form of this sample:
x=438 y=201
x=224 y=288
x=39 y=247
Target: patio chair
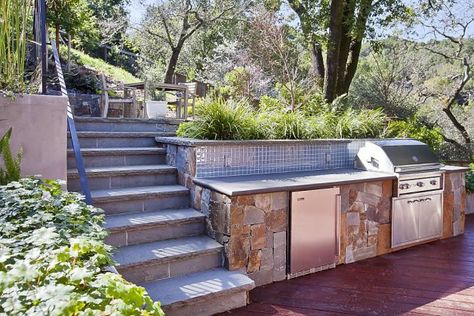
x=192 y=89
x=128 y=102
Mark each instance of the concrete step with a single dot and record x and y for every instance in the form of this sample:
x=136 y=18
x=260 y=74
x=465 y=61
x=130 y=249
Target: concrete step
x=203 y=293
x=113 y=157
x=123 y=176
x=139 y=199
x=143 y=227
x=126 y=124
x=94 y=139
x=168 y=258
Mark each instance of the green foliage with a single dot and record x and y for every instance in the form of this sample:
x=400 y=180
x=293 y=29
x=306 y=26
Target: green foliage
x=412 y=128
x=52 y=256
x=470 y=179
x=13 y=27
x=284 y=125
x=12 y=165
x=220 y=119
x=232 y=120
x=73 y=16
x=116 y=73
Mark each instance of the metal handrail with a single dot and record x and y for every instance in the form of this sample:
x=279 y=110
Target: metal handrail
x=70 y=117
x=72 y=129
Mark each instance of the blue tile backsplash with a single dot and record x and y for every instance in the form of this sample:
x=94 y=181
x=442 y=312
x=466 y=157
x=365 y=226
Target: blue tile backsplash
x=250 y=159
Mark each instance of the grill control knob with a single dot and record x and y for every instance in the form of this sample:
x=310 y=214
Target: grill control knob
x=433 y=182
x=420 y=184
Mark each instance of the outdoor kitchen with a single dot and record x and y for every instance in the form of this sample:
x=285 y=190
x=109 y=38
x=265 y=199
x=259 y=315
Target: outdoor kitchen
x=283 y=209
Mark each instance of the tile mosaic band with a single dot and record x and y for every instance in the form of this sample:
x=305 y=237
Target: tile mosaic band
x=237 y=160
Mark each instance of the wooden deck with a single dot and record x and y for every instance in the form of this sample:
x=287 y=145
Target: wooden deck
x=432 y=279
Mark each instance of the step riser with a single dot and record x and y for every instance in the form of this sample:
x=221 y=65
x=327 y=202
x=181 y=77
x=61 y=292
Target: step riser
x=154 y=233
x=118 y=160
x=183 y=266
x=124 y=127
x=152 y=203
x=211 y=306
x=117 y=142
x=123 y=181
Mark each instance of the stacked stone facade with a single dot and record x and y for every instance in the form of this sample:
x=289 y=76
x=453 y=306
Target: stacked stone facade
x=365 y=220
x=454 y=204
x=253 y=230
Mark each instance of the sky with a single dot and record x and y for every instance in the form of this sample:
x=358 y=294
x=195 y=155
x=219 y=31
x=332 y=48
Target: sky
x=137 y=9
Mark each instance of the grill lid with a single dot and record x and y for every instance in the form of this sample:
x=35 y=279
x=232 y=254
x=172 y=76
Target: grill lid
x=396 y=155
x=402 y=152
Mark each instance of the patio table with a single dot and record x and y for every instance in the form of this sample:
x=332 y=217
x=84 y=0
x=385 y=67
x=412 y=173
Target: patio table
x=180 y=113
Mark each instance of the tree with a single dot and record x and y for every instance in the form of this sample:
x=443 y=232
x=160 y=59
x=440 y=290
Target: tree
x=449 y=21
x=387 y=77
x=112 y=19
x=174 y=22
x=72 y=16
x=276 y=48
x=347 y=23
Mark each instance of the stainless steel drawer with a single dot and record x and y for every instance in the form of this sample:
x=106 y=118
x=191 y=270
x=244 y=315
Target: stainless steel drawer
x=417 y=218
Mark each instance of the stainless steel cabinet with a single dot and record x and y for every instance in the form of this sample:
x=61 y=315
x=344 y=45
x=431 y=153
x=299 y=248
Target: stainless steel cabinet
x=314 y=229
x=417 y=218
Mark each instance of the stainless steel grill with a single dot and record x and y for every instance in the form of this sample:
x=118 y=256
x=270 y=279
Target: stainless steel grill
x=417 y=205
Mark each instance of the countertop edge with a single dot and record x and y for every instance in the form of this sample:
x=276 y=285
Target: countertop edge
x=288 y=188
x=451 y=169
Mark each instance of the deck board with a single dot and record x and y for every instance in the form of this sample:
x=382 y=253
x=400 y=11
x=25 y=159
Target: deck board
x=431 y=279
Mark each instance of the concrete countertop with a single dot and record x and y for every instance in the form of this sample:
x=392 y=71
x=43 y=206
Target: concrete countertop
x=294 y=181
x=454 y=169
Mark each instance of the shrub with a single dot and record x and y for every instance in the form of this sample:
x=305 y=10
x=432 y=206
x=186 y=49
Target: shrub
x=283 y=125
x=359 y=123
x=52 y=257
x=470 y=179
x=11 y=164
x=223 y=120
x=232 y=120
x=412 y=128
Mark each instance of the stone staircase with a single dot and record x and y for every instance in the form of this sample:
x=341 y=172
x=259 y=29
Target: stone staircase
x=161 y=242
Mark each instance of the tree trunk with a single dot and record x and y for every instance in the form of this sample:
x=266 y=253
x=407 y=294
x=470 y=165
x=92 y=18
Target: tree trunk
x=346 y=39
x=334 y=44
x=173 y=62
x=69 y=40
x=57 y=36
x=351 y=66
x=317 y=62
x=356 y=45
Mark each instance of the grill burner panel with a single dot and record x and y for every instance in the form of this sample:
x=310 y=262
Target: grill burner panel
x=419 y=185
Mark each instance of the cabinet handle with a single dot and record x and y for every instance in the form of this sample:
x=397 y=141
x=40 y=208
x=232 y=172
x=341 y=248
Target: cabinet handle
x=338 y=225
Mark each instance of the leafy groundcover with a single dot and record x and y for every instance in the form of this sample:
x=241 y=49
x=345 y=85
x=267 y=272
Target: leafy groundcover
x=53 y=257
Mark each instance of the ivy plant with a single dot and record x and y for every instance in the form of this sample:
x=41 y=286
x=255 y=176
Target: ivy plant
x=53 y=258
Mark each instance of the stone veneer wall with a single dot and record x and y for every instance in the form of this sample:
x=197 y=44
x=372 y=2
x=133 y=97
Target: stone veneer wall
x=365 y=220
x=253 y=230
x=454 y=204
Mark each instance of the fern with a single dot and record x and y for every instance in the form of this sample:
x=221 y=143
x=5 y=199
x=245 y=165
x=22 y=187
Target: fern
x=12 y=166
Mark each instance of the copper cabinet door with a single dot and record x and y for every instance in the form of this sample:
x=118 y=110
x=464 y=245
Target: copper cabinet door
x=313 y=230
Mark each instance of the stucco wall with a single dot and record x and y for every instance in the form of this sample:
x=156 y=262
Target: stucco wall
x=39 y=130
